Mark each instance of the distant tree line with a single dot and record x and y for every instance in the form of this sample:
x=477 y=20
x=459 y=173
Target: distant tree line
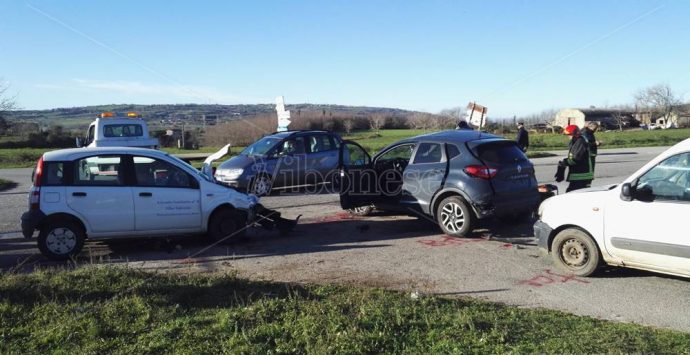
x=245 y=131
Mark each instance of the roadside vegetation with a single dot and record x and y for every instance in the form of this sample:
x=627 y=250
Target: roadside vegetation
x=113 y=309
x=20 y=157
x=374 y=141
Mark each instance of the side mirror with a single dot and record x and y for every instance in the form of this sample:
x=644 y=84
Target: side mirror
x=626 y=192
x=78 y=142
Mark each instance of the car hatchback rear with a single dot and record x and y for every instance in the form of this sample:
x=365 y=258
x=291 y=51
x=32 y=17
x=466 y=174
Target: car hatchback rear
x=510 y=176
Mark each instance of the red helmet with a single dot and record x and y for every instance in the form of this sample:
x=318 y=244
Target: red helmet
x=571 y=130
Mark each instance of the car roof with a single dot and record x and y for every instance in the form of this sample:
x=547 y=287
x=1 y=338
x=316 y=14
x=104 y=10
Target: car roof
x=290 y=133
x=453 y=135
x=681 y=146
x=73 y=153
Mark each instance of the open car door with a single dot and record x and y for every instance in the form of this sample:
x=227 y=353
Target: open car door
x=357 y=178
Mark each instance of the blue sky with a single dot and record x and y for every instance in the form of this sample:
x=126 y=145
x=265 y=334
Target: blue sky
x=515 y=57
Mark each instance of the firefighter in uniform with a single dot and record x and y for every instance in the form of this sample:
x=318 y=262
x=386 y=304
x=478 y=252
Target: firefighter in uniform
x=578 y=162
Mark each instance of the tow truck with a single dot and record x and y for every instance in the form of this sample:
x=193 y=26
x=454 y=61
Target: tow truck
x=112 y=129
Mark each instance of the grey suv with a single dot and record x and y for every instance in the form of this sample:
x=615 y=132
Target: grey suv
x=281 y=160
x=455 y=177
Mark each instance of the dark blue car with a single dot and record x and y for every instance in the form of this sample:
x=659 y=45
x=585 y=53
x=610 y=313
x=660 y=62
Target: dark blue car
x=283 y=160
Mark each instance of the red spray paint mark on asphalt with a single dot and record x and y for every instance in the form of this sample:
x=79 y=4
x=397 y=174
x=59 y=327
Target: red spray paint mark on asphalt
x=549 y=277
x=447 y=241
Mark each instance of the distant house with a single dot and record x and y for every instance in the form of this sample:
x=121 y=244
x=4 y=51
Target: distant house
x=608 y=119
x=210 y=120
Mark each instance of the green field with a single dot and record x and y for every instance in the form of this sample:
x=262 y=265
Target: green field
x=20 y=157
x=112 y=309
x=373 y=141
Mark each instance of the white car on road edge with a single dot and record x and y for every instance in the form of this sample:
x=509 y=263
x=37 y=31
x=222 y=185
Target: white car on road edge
x=638 y=224
x=110 y=192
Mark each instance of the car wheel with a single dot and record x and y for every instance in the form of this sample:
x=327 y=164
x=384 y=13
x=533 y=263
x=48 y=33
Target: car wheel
x=261 y=186
x=576 y=252
x=61 y=239
x=223 y=226
x=454 y=217
x=361 y=211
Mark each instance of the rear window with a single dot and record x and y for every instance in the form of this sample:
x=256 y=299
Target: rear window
x=53 y=173
x=123 y=130
x=499 y=152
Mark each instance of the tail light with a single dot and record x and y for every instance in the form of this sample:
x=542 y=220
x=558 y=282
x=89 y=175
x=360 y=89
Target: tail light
x=480 y=171
x=35 y=192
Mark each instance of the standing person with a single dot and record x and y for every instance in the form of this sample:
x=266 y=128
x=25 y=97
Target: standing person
x=588 y=134
x=522 y=137
x=579 y=163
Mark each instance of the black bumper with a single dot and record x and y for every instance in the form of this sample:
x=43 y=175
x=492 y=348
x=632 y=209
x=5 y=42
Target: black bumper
x=542 y=232
x=30 y=221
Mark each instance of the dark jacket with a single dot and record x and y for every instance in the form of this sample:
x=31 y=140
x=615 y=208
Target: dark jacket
x=522 y=139
x=578 y=160
x=588 y=134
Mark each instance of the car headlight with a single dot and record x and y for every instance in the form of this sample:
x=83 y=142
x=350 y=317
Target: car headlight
x=229 y=174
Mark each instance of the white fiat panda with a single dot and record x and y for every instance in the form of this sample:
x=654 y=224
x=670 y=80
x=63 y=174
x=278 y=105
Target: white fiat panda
x=639 y=223
x=112 y=192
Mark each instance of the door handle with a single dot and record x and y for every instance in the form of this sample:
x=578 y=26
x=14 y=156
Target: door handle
x=79 y=194
x=145 y=194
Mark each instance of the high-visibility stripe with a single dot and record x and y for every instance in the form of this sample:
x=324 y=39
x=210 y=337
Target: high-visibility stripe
x=580 y=176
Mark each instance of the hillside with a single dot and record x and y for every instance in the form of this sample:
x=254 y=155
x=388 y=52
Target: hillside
x=80 y=116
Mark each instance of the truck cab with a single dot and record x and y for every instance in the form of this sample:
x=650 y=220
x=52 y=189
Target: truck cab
x=118 y=130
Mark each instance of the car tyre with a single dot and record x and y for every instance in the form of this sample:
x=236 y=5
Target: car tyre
x=454 y=217
x=61 y=239
x=361 y=211
x=223 y=227
x=261 y=185
x=576 y=252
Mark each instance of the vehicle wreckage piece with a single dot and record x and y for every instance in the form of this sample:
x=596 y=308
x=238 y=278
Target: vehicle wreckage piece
x=269 y=219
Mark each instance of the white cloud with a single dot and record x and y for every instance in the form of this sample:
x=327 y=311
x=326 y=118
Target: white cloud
x=173 y=93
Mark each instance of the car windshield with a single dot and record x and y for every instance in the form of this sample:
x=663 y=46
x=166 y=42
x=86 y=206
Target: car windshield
x=260 y=147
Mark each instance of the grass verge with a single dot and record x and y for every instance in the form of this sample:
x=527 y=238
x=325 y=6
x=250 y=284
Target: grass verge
x=112 y=309
x=20 y=157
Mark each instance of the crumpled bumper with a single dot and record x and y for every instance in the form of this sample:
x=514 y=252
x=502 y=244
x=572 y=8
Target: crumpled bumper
x=542 y=232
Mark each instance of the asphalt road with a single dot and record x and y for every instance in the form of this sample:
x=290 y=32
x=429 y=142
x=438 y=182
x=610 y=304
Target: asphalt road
x=498 y=263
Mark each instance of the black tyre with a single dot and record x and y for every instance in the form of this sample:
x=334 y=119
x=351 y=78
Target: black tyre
x=454 y=217
x=361 y=211
x=261 y=185
x=576 y=252
x=61 y=239
x=223 y=227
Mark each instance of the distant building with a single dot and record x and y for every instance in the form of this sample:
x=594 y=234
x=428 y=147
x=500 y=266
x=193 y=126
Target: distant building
x=608 y=119
x=210 y=120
